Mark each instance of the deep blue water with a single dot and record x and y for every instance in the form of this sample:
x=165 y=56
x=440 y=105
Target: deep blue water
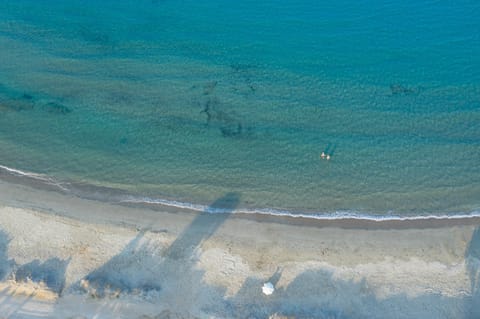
x=189 y=100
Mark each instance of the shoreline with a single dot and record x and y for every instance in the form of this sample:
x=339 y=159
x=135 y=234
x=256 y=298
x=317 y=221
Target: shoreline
x=58 y=251
x=340 y=220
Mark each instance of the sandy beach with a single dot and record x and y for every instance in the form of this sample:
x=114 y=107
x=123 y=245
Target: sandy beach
x=67 y=257
x=239 y=159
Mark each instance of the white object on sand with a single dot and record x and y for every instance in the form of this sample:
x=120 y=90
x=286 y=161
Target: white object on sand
x=268 y=288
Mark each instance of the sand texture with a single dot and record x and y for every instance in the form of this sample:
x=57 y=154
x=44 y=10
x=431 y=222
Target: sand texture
x=65 y=257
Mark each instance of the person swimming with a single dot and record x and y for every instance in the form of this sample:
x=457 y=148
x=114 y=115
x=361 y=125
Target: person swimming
x=325 y=156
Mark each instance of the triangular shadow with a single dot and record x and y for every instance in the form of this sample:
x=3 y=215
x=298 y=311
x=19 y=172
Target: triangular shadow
x=145 y=266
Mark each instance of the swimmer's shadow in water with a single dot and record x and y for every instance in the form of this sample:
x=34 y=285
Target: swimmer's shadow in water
x=330 y=149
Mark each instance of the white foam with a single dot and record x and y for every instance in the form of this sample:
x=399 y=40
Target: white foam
x=338 y=215
x=22 y=173
x=40 y=177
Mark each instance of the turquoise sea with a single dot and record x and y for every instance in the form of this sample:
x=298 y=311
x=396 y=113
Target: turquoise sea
x=180 y=102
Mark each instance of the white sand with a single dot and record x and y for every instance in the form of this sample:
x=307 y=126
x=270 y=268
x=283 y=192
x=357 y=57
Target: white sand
x=65 y=257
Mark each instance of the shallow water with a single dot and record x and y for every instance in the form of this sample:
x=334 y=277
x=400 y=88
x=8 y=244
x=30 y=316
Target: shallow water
x=187 y=101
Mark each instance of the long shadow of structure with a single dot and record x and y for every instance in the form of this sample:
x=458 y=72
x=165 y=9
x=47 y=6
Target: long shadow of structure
x=171 y=274
x=202 y=227
x=145 y=266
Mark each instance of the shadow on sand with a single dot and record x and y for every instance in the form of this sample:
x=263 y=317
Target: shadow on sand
x=148 y=266
x=51 y=273
x=13 y=298
x=322 y=294
x=472 y=258
x=5 y=264
x=170 y=272
x=151 y=266
x=202 y=227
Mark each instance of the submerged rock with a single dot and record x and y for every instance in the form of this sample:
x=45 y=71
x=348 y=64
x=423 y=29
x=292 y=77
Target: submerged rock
x=57 y=108
x=398 y=89
x=17 y=104
x=209 y=87
x=27 y=96
x=231 y=131
x=13 y=100
x=220 y=115
x=228 y=123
